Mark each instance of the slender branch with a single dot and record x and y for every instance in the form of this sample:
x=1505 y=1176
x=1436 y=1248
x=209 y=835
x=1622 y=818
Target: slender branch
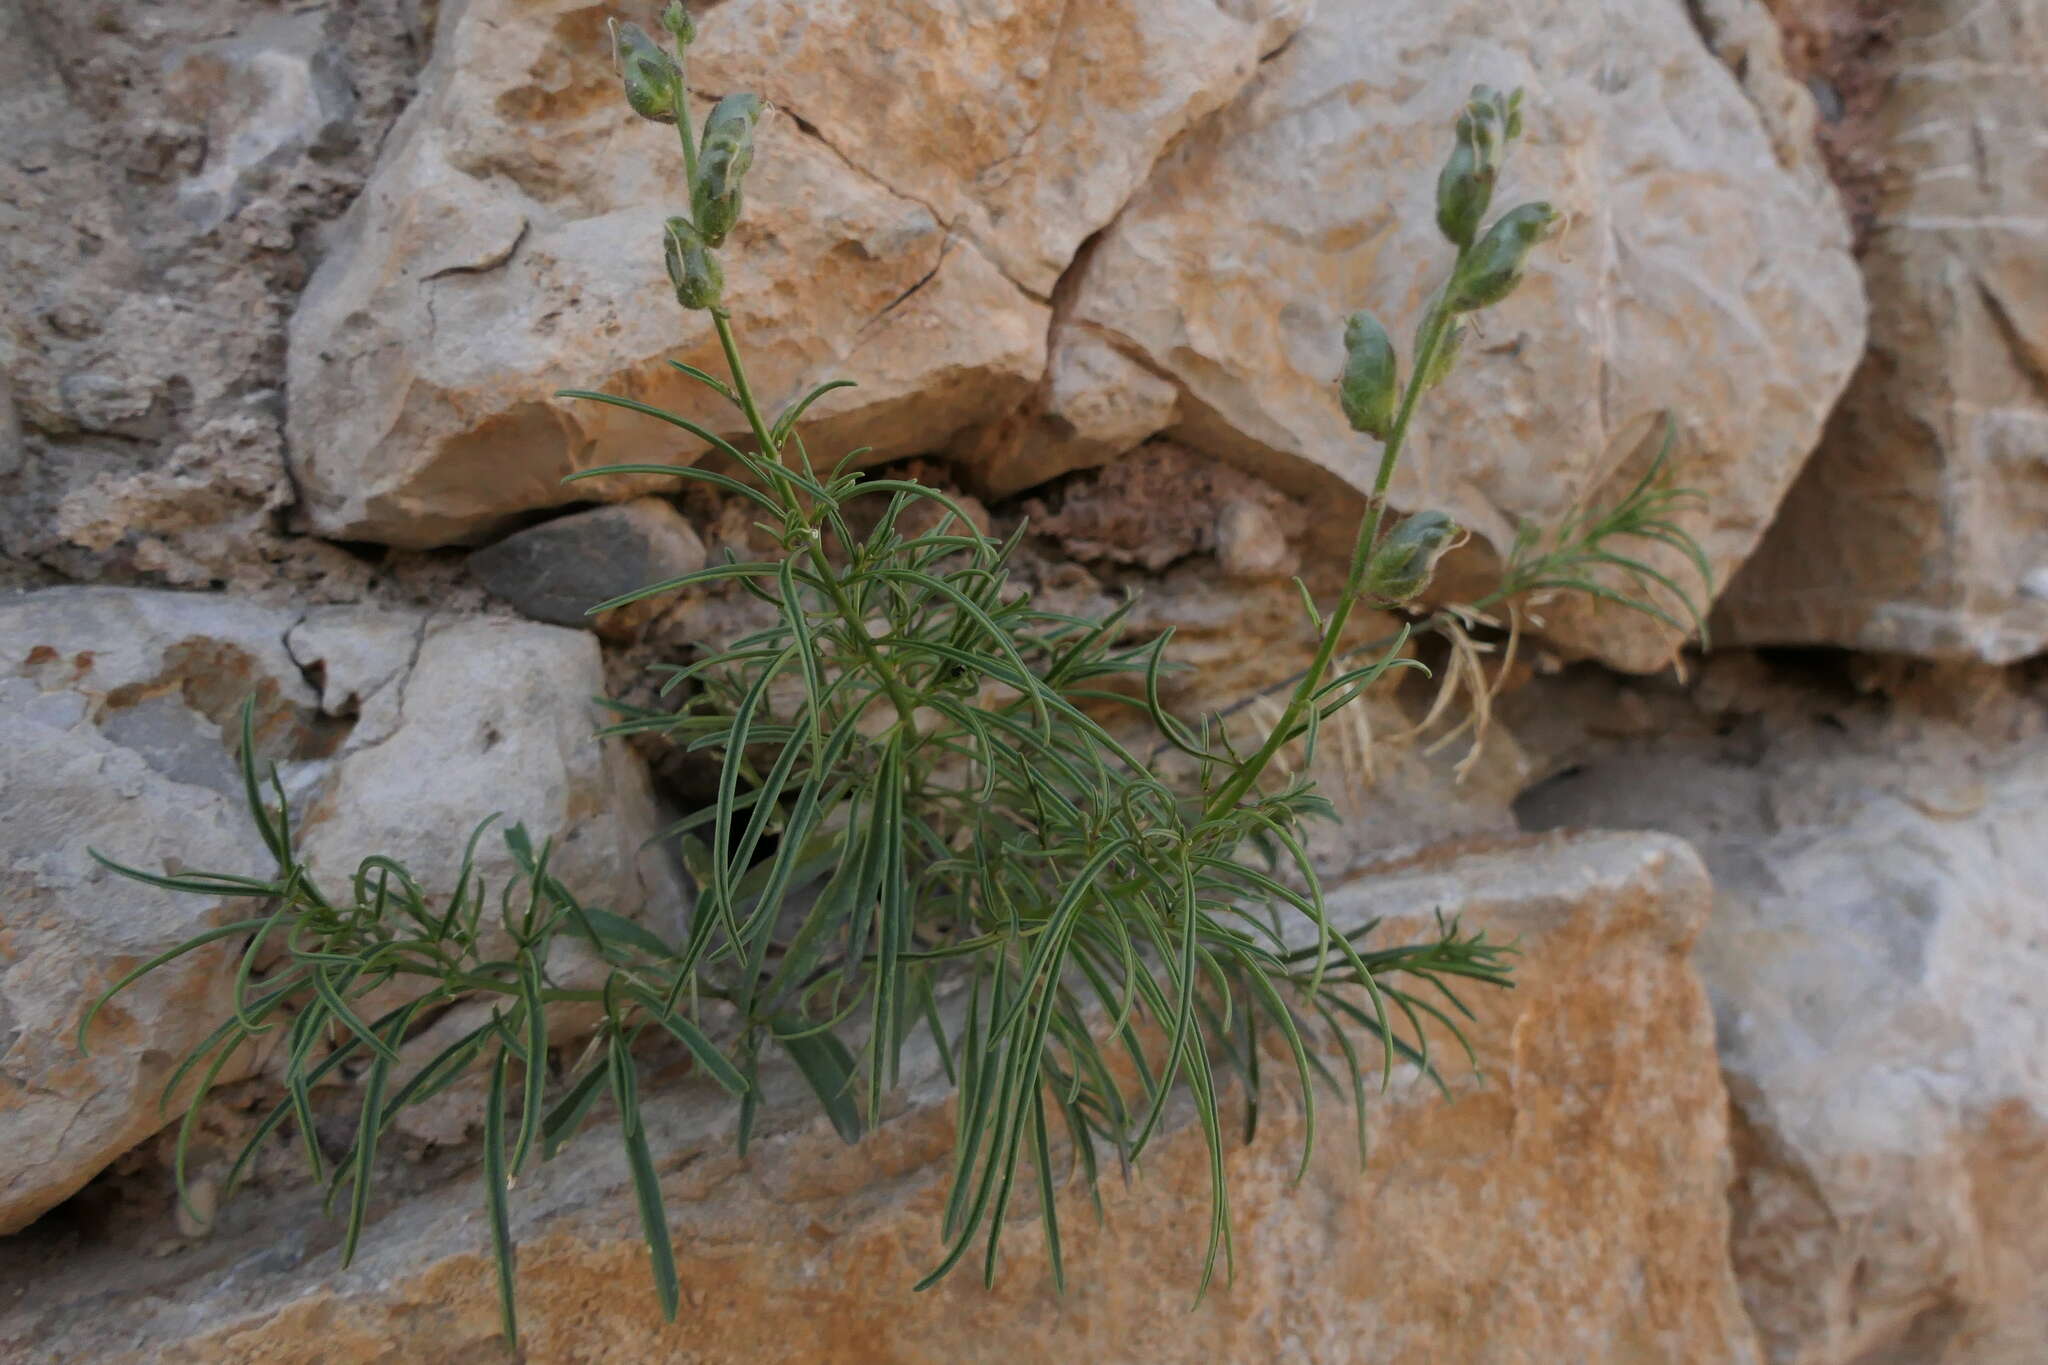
x=1248 y=773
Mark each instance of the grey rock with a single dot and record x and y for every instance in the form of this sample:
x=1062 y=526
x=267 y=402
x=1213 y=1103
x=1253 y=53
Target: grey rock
x=120 y=730
x=116 y=725
x=1915 y=526
x=1878 y=963
x=557 y=571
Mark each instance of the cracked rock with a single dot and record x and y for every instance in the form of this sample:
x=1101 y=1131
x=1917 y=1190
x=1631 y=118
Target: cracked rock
x=908 y=214
x=120 y=722
x=1232 y=270
x=1917 y=524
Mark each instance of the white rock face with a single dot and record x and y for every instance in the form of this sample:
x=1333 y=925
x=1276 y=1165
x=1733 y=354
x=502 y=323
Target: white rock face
x=1921 y=525
x=1696 y=230
x=1878 y=961
x=480 y=716
x=119 y=722
x=1882 y=991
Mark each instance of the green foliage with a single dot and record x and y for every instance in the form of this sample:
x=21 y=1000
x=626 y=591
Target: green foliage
x=927 y=822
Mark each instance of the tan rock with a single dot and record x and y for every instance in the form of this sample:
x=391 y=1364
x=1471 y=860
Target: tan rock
x=508 y=245
x=1921 y=526
x=1570 y=1209
x=1698 y=227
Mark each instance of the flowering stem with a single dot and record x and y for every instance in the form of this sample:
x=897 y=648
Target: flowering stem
x=1369 y=526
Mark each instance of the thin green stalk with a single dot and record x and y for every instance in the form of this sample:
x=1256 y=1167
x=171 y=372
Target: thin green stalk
x=1354 y=581
x=906 y=705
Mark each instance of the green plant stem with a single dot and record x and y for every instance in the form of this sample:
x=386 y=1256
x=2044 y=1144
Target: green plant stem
x=856 y=624
x=1369 y=525
x=683 y=128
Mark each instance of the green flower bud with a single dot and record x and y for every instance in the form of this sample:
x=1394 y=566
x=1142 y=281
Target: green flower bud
x=1465 y=187
x=1367 y=387
x=1405 y=561
x=653 y=80
x=1494 y=267
x=676 y=19
x=728 y=150
x=692 y=269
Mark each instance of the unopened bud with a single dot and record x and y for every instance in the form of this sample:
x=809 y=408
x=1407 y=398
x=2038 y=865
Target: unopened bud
x=1465 y=187
x=1494 y=267
x=692 y=269
x=1404 y=562
x=728 y=150
x=676 y=19
x=653 y=80
x=1366 y=389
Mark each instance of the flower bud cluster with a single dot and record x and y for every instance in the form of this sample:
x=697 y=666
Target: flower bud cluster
x=657 y=87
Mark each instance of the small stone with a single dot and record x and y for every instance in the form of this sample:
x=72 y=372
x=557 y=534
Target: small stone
x=1250 y=544
x=557 y=571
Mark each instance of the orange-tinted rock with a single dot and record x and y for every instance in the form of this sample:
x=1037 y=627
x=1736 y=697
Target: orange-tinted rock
x=1571 y=1208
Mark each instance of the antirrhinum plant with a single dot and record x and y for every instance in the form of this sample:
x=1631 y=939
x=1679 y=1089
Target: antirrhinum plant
x=925 y=820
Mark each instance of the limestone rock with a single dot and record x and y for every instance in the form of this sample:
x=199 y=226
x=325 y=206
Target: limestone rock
x=1472 y=1229
x=509 y=243
x=117 y=713
x=557 y=571
x=1877 y=958
x=1924 y=517
x=166 y=173
x=120 y=722
x=480 y=716
x=1697 y=228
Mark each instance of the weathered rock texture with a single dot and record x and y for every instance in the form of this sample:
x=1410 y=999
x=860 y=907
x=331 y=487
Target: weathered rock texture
x=506 y=248
x=163 y=177
x=119 y=723
x=1922 y=523
x=115 y=726
x=1569 y=1209
x=1877 y=958
x=508 y=245
x=1701 y=224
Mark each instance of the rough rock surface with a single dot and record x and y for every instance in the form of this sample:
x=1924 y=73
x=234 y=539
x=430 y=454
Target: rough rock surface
x=1921 y=525
x=1700 y=225
x=119 y=720
x=116 y=715
x=1471 y=1235
x=165 y=172
x=1877 y=958
x=505 y=249
x=475 y=716
x=507 y=244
